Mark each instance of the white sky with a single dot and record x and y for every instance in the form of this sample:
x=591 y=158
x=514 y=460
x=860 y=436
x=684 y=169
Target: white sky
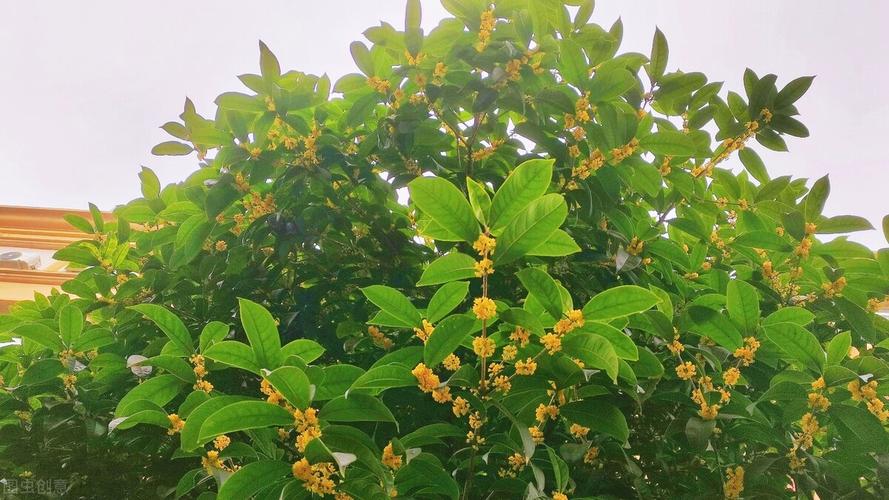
x=87 y=84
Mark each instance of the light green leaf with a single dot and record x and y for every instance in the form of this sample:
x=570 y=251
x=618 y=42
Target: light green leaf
x=395 y=304
x=559 y=244
x=599 y=416
x=188 y=437
x=594 y=350
x=533 y=225
x=838 y=348
x=452 y=266
x=214 y=331
x=384 y=377
x=151 y=186
x=158 y=390
x=797 y=343
x=618 y=302
x=713 y=324
x=170 y=324
x=446 y=205
x=243 y=415
x=308 y=350
x=235 y=354
x=190 y=239
x=356 y=408
x=668 y=143
x=446 y=299
x=291 y=382
x=623 y=345
x=41 y=334
x=262 y=332
x=526 y=183
x=742 y=302
x=478 y=200
x=70 y=324
x=253 y=478
x=544 y=288
x=448 y=335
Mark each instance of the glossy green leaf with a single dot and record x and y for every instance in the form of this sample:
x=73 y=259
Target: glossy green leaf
x=618 y=302
x=446 y=205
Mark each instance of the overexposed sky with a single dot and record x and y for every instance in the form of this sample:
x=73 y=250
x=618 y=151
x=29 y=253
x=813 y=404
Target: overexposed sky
x=87 y=84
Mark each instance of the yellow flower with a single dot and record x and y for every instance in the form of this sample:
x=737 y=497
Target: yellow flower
x=439 y=72
x=378 y=84
x=69 y=380
x=517 y=461
x=544 y=412
x=676 y=347
x=211 y=462
x=451 y=363
x=730 y=377
x=221 y=442
x=176 y=424
x=520 y=336
x=527 y=367
x=817 y=401
x=390 y=459
x=460 y=407
x=484 y=308
x=579 y=431
x=203 y=385
x=747 y=353
x=686 y=371
x=425 y=332
x=484 y=267
x=484 y=245
x=734 y=482
x=558 y=495
x=483 y=346
x=552 y=343
x=509 y=352
x=426 y=379
x=591 y=455
x=635 y=247
x=536 y=434
x=441 y=394
x=502 y=384
x=708 y=412
x=486 y=27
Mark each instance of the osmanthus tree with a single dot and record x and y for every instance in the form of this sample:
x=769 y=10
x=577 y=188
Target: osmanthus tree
x=579 y=298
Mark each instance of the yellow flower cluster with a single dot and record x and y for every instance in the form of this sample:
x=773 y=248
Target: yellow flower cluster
x=579 y=431
x=520 y=336
x=427 y=380
x=390 y=458
x=734 y=482
x=274 y=397
x=200 y=371
x=379 y=339
x=686 y=371
x=502 y=384
x=176 y=424
x=591 y=455
x=868 y=394
x=730 y=376
x=582 y=111
x=536 y=434
x=487 y=151
x=552 y=343
x=211 y=462
x=834 y=288
x=747 y=353
x=452 y=362
x=509 y=352
x=558 y=495
x=486 y=27
x=460 y=407
x=635 y=247
x=439 y=72
x=485 y=244
x=69 y=380
x=544 y=412
x=588 y=165
x=425 y=332
x=413 y=60
x=675 y=346
x=627 y=150
x=731 y=145
x=306 y=425
x=378 y=84
x=221 y=442
x=484 y=308
x=316 y=478
x=483 y=267
x=527 y=367
x=483 y=347
x=803 y=440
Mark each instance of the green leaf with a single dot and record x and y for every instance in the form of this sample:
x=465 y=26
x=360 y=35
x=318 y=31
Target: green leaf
x=70 y=324
x=526 y=183
x=754 y=165
x=659 y=53
x=42 y=371
x=742 y=302
x=384 y=377
x=362 y=58
x=478 y=200
x=170 y=324
x=838 y=348
x=40 y=334
x=560 y=469
x=793 y=91
x=797 y=343
x=452 y=266
x=395 y=304
x=610 y=84
x=544 y=288
x=173 y=365
x=618 y=302
x=446 y=205
x=188 y=437
x=623 y=345
x=448 y=335
x=356 y=408
x=190 y=239
x=291 y=382
x=253 y=478
x=814 y=201
x=446 y=299
x=530 y=228
x=242 y=416
x=843 y=224
x=574 y=65
x=559 y=244
x=262 y=332
x=333 y=380
x=668 y=143
x=594 y=350
x=599 y=416
x=796 y=315
x=151 y=186
x=713 y=324
x=308 y=350
x=153 y=417
x=158 y=390
x=213 y=332
x=859 y=423
x=171 y=148
x=886 y=227
x=235 y=354
x=268 y=63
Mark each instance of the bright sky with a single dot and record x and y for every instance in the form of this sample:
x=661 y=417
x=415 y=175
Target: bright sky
x=87 y=84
